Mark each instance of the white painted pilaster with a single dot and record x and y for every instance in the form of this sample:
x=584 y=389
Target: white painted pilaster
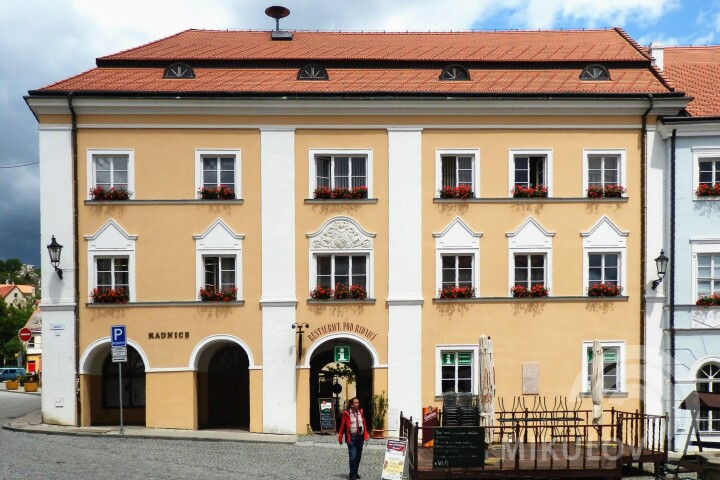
x=58 y=295
x=405 y=273
x=277 y=172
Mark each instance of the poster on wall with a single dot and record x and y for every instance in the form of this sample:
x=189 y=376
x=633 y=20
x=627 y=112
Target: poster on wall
x=395 y=454
x=327 y=415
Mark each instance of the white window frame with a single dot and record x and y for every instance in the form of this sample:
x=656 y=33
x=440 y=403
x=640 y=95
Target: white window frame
x=456 y=347
x=604 y=237
x=218 y=240
x=526 y=254
x=92 y=152
x=200 y=153
x=699 y=154
x=713 y=416
x=701 y=246
x=332 y=267
x=530 y=238
x=322 y=242
x=474 y=152
x=621 y=368
x=220 y=258
x=621 y=153
x=313 y=152
x=515 y=152
x=457 y=239
x=111 y=240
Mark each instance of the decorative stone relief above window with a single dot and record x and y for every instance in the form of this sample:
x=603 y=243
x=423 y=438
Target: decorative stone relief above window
x=341 y=233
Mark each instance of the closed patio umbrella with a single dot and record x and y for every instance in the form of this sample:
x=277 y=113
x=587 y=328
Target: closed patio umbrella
x=596 y=381
x=486 y=387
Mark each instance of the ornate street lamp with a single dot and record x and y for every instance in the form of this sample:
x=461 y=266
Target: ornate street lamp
x=54 y=249
x=661 y=263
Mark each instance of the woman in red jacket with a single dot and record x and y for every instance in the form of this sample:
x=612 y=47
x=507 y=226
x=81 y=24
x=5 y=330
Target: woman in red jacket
x=355 y=431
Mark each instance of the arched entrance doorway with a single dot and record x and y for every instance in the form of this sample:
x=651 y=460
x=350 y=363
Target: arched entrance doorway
x=328 y=379
x=132 y=388
x=226 y=388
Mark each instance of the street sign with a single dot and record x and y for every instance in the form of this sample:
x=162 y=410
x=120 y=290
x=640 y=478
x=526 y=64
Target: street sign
x=448 y=358
x=117 y=336
x=342 y=354
x=119 y=354
x=24 y=334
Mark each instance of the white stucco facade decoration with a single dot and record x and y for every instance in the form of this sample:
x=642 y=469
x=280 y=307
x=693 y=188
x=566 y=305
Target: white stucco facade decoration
x=530 y=238
x=457 y=239
x=404 y=274
x=111 y=240
x=58 y=295
x=278 y=300
x=221 y=241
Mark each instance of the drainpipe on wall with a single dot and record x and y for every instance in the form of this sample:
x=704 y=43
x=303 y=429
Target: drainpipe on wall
x=76 y=259
x=672 y=284
x=643 y=249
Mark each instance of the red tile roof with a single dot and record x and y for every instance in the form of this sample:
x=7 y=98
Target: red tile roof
x=696 y=70
x=5 y=290
x=512 y=46
x=249 y=62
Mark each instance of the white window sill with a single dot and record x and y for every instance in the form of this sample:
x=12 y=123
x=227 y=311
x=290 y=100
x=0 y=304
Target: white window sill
x=195 y=201
x=333 y=301
x=193 y=303
x=319 y=201
x=551 y=299
x=606 y=393
x=533 y=200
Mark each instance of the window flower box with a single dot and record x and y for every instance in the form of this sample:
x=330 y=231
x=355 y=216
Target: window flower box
x=604 y=290
x=461 y=191
x=530 y=192
x=521 y=291
x=606 y=191
x=341 y=292
x=340 y=193
x=211 y=294
x=99 y=193
x=707 y=190
x=456 y=292
x=111 y=295
x=708 y=300
x=221 y=192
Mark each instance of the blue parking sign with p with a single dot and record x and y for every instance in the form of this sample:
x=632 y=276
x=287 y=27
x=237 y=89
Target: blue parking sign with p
x=117 y=336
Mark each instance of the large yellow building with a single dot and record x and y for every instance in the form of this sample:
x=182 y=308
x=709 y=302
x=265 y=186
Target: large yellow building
x=468 y=159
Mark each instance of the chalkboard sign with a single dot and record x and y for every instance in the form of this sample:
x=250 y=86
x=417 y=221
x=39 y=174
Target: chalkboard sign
x=327 y=415
x=459 y=447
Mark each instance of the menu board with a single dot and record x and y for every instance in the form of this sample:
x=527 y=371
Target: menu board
x=394 y=464
x=459 y=447
x=327 y=415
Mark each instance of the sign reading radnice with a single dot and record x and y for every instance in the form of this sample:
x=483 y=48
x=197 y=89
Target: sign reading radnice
x=168 y=335
x=342 y=327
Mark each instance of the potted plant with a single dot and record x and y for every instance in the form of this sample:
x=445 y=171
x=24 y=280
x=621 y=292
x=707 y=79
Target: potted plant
x=379 y=410
x=604 y=290
x=521 y=291
x=322 y=293
x=456 y=292
x=109 y=295
x=529 y=192
x=221 y=192
x=113 y=193
x=461 y=191
x=30 y=383
x=708 y=300
x=211 y=294
x=12 y=384
x=708 y=190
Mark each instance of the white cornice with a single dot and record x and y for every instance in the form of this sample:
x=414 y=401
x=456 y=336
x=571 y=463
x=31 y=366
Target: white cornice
x=354 y=107
x=690 y=129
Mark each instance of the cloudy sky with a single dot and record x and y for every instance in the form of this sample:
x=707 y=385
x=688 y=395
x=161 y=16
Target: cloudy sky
x=42 y=41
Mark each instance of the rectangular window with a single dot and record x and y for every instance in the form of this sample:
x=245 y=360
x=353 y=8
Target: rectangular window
x=709 y=171
x=530 y=171
x=603 y=170
x=456 y=374
x=611 y=362
x=219 y=272
x=341 y=269
x=529 y=270
x=457 y=170
x=341 y=171
x=603 y=268
x=111 y=171
x=112 y=273
x=457 y=271
x=708 y=274
x=218 y=170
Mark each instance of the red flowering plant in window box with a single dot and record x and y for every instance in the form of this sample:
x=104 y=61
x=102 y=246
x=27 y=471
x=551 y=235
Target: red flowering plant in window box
x=461 y=191
x=340 y=193
x=708 y=300
x=707 y=190
x=529 y=192
x=321 y=293
x=221 y=192
x=113 y=193
x=456 y=292
x=521 y=291
x=358 y=292
x=607 y=191
x=212 y=294
x=109 y=295
x=604 y=290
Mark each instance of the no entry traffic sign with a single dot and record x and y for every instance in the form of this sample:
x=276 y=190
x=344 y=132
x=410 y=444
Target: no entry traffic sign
x=24 y=334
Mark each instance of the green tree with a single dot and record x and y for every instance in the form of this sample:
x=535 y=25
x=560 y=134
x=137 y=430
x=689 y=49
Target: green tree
x=12 y=319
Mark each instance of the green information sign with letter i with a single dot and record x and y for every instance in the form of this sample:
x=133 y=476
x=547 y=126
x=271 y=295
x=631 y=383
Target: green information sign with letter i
x=342 y=354
x=448 y=358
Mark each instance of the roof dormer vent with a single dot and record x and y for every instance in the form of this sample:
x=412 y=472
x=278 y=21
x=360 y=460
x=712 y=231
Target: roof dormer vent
x=277 y=12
